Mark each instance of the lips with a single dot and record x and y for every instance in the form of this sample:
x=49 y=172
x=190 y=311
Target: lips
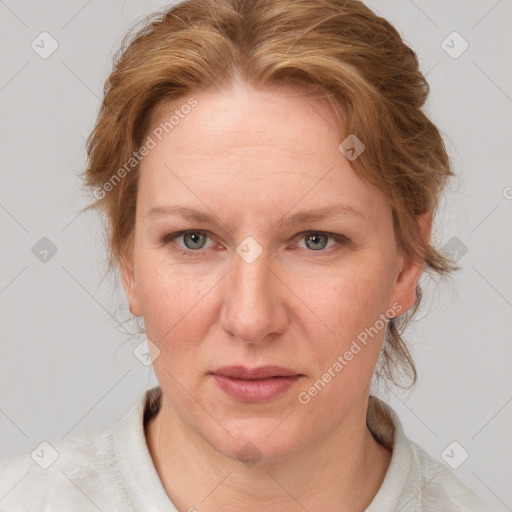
x=263 y=372
x=253 y=385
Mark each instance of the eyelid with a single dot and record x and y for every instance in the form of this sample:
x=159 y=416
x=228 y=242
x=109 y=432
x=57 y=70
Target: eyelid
x=335 y=236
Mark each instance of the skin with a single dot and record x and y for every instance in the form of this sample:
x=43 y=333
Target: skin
x=251 y=158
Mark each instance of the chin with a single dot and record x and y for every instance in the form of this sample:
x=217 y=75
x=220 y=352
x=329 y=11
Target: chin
x=258 y=440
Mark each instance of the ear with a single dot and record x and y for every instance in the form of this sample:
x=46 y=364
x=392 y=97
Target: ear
x=130 y=285
x=410 y=269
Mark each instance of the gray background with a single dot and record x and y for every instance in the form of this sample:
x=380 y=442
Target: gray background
x=64 y=368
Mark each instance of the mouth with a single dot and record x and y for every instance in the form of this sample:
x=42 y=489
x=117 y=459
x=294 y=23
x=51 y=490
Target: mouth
x=255 y=385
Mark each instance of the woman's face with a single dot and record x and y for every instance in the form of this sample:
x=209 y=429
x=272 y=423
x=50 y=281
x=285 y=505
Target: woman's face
x=247 y=174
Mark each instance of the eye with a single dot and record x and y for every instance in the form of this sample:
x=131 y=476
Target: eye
x=194 y=241
x=317 y=241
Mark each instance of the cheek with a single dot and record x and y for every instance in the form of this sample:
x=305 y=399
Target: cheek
x=353 y=306
x=173 y=308
x=349 y=300
x=353 y=303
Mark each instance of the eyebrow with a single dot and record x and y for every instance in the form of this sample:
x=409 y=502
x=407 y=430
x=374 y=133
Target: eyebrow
x=296 y=218
x=329 y=212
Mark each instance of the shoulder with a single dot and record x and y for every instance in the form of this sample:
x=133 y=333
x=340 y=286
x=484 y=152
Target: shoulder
x=439 y=485
x=414 y=479
x=69 y=474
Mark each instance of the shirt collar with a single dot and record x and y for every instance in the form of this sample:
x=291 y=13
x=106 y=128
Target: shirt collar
x=401 y=486
x=141 y=480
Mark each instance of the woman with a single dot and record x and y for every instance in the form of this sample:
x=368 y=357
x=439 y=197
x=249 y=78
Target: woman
x=269 y=181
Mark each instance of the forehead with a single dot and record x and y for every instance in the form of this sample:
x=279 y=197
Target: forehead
x=264 y=146
x=242 y=116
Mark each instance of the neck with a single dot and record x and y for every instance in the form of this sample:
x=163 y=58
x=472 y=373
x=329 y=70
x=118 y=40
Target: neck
x=343 y=472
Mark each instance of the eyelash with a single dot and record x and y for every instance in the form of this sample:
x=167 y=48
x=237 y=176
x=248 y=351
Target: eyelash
x=167 y=240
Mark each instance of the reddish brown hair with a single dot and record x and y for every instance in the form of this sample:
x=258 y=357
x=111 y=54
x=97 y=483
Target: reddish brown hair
x=338 y=49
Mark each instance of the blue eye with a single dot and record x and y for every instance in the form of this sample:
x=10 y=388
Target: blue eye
x=316 y=241
x=194 y=242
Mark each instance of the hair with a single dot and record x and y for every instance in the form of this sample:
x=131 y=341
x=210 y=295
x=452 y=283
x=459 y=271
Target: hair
x=339 y=49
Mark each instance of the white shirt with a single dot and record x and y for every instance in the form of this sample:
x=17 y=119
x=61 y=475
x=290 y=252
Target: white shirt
x=111 y=469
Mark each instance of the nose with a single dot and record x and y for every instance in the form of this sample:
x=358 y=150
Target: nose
x=254 y=306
